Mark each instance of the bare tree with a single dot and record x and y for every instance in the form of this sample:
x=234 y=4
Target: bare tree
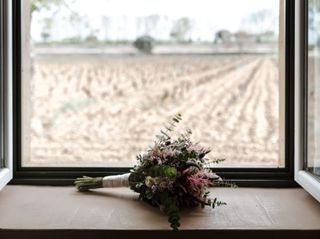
x=181 y=28
x=151 y=23
x=76 y=21
x=79 y=23
x=37 y=5
x=46 y=29
x=262 y=20
x=106 y=22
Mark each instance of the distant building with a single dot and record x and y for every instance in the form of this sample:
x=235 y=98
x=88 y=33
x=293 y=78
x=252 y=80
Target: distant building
x=267 y=37
x=223 y=36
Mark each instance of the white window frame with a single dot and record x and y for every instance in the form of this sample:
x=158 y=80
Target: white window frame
x=6 y=173
x=309 y=182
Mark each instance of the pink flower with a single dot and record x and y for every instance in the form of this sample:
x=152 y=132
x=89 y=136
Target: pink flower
x=169 y=153
x=199 y=181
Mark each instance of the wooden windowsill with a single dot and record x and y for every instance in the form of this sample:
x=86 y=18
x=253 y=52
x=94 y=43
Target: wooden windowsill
x=35 y=209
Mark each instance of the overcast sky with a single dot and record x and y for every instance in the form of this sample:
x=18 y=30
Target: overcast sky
x=208 y=16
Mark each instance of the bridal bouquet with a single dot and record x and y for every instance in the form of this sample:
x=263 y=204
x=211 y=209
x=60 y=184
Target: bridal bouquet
x=171 y=175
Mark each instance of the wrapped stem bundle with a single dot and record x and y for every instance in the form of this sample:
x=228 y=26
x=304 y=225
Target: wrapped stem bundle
x=86 y=183
x=171 y=175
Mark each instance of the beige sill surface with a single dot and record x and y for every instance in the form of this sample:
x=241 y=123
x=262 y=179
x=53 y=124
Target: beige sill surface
x=43 y=207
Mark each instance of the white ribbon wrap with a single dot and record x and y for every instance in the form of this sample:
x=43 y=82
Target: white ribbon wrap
x=116 y=181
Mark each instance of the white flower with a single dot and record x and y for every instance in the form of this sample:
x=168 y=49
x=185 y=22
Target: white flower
x=149 y=181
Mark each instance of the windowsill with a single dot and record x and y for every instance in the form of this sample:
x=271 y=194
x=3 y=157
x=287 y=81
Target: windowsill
x=253 y=209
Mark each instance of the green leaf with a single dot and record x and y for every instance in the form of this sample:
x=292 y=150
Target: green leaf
x=170 y=172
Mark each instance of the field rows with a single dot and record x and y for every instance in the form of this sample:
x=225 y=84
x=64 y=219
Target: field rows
x=104 y=112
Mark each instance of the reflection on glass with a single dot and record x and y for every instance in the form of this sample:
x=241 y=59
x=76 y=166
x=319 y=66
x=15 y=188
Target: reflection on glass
x=102 y=76
x=313 y=149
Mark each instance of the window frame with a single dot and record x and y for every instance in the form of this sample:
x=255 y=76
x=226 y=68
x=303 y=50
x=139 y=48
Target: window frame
x=306 y=179
x=1 y=88
x=6 y=171
x=264 y=177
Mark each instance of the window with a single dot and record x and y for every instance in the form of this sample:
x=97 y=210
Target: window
x=92 y=86
x=6 y=169
x=307 y=98
x=313 y=93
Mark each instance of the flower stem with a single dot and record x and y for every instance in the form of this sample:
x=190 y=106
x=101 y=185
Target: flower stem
x=86 y=183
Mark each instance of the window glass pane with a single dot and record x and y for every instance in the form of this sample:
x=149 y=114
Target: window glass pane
x=100 y=77
x=313 y=149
